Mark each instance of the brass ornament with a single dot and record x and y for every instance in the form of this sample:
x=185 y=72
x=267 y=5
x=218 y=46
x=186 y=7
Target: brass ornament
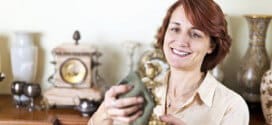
x=152 y=67
x=73 y=71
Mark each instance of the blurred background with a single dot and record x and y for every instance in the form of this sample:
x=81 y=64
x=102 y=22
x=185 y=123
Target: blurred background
x=107 y=25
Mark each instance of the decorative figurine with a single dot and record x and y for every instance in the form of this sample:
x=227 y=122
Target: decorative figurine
x=139 y=89
x=152 y=67
x=133 y=78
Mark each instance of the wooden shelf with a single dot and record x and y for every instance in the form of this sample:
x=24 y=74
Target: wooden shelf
x=256 y=114
x=10 y=115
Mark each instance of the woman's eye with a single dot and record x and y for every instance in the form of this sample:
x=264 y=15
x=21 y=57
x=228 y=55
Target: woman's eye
x=195 y=35
x=174 y=29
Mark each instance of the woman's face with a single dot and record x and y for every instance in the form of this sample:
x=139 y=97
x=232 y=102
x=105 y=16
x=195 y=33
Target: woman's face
x=184 y=45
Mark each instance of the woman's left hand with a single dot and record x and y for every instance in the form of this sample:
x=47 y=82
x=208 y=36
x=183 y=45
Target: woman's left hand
x=171 y=120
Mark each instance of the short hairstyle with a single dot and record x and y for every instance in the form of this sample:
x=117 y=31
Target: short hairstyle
x=208 y=17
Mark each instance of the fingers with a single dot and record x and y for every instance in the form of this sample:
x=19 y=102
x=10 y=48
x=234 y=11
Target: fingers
x=122 y=109
x=125 y=102
x=124 y=112
x=128 y=119
x=111 y=101
x=117 y=90
x=171 y=120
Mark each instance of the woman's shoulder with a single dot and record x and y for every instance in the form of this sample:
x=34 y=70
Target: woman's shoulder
x=229 y=98
x=227 y=94
x=232 y=106
x=220 y=92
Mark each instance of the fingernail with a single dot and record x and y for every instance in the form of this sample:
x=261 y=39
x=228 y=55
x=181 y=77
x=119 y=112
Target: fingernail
x=140 y=106
x=140 y=99
x=141 y=112
x=130 y=86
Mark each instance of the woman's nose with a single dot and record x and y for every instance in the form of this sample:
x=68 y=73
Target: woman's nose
x=183 y=39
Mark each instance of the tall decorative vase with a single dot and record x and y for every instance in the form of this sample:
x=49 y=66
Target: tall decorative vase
x=266 y=95
x=23 y=58
x=256 y=60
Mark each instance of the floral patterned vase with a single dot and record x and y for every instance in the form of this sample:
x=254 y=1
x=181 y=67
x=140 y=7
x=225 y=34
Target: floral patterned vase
x=266 y=96
x=256 y=60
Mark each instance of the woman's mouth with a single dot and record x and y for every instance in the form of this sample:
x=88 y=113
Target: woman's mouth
x=180 y=53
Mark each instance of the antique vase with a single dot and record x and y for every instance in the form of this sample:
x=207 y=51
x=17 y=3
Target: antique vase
x=256 y=60
x=266 y=96
x=23 y=57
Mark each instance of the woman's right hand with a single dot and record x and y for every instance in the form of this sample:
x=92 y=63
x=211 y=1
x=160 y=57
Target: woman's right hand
x=124 y=110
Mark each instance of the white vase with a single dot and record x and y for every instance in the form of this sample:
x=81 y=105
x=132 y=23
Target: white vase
x=23 y=58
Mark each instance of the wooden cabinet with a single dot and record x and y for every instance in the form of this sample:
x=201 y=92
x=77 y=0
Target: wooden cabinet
x=256 y=115
x=10 y=115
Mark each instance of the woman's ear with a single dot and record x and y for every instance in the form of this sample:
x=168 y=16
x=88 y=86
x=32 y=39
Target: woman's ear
x=212 y=47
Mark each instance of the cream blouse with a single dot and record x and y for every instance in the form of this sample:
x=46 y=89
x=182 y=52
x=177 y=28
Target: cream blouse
x=212 y=104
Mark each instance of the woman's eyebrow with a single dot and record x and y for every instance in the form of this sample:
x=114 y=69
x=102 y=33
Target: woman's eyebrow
x=175 y=23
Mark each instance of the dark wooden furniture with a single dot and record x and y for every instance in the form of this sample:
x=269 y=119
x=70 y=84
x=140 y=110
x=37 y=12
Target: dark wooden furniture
x=256 y=115
x=10 y=115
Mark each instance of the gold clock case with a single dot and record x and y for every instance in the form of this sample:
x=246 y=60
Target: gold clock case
x=73 y=71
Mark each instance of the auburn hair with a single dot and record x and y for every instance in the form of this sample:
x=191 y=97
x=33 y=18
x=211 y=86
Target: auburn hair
x=208 y=17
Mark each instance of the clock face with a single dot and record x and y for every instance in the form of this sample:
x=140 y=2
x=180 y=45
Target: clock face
x=73 y=71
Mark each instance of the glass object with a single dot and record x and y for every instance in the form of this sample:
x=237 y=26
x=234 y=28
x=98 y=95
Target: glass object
x=256 y=60
x=139 y=89
x=23 y=58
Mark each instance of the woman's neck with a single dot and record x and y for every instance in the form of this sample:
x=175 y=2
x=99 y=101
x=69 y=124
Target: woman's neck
x=182 y=83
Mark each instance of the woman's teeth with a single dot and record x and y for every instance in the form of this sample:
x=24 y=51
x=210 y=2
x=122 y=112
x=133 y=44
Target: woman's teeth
x=180 y=53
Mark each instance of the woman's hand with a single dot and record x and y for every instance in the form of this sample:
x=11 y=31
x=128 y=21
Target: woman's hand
x=171 y=120
x=124 y=110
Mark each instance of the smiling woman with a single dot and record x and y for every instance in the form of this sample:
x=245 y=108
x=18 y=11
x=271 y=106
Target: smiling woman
x=194 y=39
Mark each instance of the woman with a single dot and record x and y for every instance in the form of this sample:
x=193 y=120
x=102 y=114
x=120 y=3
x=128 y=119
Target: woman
x=194 y=40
